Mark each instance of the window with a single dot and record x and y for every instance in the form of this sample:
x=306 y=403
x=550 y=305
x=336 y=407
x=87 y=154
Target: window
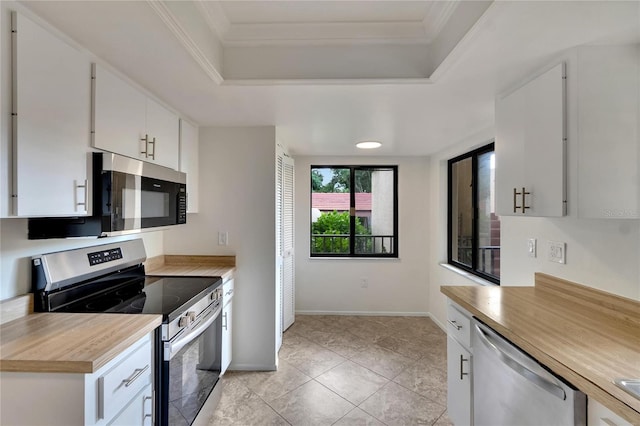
x=354 y=211
x=474 y=227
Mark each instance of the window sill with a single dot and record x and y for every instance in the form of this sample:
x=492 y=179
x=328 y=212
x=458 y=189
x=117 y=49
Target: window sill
x=353 y=258
x=476 y=279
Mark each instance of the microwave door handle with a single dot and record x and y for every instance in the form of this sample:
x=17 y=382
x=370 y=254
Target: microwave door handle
x=518 y=367
x=172 y=348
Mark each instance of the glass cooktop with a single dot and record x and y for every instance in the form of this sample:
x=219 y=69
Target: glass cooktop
x=168 y=296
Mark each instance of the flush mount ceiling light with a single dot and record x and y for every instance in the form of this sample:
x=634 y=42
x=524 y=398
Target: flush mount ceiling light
x=368 y=145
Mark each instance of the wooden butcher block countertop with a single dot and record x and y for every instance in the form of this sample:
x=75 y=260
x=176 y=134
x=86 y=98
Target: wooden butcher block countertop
x=69 y=343
x=191 y=265
x=587 y=336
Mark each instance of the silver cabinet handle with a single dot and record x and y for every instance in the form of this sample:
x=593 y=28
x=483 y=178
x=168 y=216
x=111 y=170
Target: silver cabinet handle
x=455 y=324
x=462 y=373
x=224 y=320
x=518 y=367
x=152 y=142
x=136 y=373
x=84 y=186
x=148 y=141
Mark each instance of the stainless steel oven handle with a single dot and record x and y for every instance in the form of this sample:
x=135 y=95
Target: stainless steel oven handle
x=518 y=367
x=171 y=348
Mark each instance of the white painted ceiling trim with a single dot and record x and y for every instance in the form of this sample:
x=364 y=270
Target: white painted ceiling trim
x=437 y=17
x=181 y=33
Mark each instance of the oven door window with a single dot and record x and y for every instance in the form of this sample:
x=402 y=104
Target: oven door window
x=193 y=373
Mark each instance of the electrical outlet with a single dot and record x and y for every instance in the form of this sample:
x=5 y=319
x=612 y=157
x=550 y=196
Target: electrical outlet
x=364 y=283
x=531 y=247
x=223 y=238
x=557 y=252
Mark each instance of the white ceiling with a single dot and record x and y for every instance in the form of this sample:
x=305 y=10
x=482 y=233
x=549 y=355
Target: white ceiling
x=177 y=51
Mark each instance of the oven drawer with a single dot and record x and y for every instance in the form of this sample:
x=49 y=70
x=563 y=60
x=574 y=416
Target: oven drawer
x=125 y=380
x=458 y=324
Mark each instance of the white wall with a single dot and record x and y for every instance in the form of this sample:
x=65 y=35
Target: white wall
x=601 y=253
x=396 y=286
x=237 y=195
x=16 y=251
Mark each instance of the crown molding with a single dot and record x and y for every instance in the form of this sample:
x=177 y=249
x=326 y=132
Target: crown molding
x=214 y=16
x=465 y=43
x=183 y=37
x=325 y=32
x=325 y=81
x=437 y=17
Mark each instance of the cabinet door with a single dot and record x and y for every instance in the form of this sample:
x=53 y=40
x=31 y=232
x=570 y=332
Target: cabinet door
x=163 y=127
x=119 y=115
x=608 y=132
x=139 y=412
x=458 y=383
x=599 y=415
x=530 y=147
x=227 y=327
x=51 y=108
x=189 y=147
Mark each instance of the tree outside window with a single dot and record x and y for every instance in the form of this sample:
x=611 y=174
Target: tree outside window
x=353 y=211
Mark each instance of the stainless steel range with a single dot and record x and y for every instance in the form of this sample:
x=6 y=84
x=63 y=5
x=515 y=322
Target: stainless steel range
x=111 y=278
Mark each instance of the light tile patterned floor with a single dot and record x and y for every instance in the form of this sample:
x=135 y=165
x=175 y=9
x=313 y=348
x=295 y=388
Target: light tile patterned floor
x=345 y=370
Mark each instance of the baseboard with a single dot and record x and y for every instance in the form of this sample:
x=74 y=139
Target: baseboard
x=366 y=313
x=252 y=367
x=438 y=323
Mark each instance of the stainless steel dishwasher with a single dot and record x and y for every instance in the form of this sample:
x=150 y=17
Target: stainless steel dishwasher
x=511 y=388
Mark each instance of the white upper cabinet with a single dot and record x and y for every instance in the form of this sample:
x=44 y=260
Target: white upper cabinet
x=608 y=134
x=51 y=123
x=128 y=122
x=189 y=162
x=530 y=147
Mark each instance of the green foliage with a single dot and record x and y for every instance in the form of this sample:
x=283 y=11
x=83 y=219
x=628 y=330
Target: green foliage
x=316 y=181
x=341 y=180
x=334 y=223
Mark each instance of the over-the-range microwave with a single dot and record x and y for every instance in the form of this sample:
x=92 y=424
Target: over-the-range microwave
x=129 y=196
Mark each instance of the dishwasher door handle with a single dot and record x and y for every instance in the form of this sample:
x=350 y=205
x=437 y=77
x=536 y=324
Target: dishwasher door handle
x=518 y=367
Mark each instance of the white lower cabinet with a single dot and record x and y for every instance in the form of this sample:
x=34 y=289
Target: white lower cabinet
x=459 y=373
x=139 y=411
x=227 y=315
x=599 y=415
x=119 y=393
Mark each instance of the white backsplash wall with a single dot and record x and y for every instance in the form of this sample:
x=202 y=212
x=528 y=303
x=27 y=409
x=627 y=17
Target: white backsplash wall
x=237 y=196
x=395 y=286
x=16 y=251
x=601 y=253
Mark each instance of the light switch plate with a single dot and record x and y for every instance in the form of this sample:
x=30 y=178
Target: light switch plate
x=223 y=238
x=557 y=252
x=531 y=247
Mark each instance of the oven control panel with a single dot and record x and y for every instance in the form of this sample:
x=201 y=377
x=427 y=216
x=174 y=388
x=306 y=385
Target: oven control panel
x=99 y=257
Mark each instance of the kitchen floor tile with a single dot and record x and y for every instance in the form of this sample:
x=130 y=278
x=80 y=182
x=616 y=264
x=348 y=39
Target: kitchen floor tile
x=395 y=405
x=311 y=404
x=308 y=357
x=325 y=371
x=357 y=417
x=240 y=406
x=425 y=379
x=273 y=384
x=352 y=381
x=382 y=361
x=342 y=343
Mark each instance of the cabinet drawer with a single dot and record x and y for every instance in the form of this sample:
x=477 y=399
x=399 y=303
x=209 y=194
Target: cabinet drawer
x=124 y=381
x=458 y=325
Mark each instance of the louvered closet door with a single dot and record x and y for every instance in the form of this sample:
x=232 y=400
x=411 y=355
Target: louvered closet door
x=279 y=251
x=288 y=290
